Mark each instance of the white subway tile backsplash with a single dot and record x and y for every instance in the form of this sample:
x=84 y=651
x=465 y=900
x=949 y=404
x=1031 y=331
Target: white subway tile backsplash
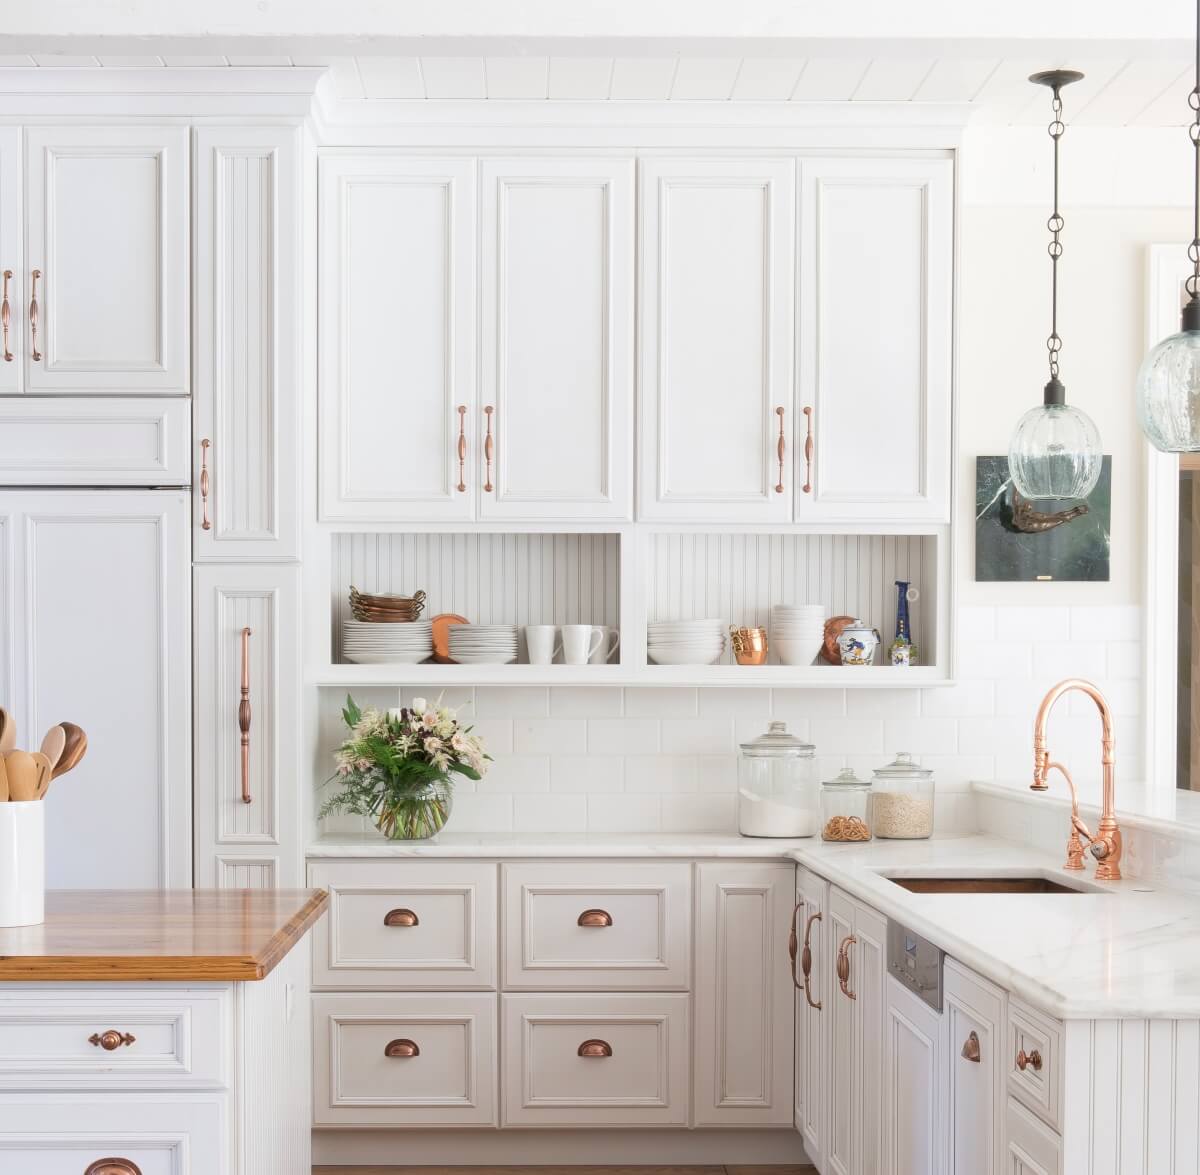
x=482 y=813
x=512 y=702
x=662 y=702
x=707 y=813
x=585 y=701
x=801 y=705
x=933 y=736
x=976 y=624
x=661 y=773
x=551 y=813
x=716 y=773
x=966 y=699
x=698 y=736
x=1116 y=623
x=1053 y=660
x=624 y=813
x=496 y=733
x=550 y=736
x=734 y=702
x=587 y=773
x=883 y=703
x=1033 y=624
x=622 y=736
x=516 y=773
x=858 y=735
x=995 y=660
x=1125 y=661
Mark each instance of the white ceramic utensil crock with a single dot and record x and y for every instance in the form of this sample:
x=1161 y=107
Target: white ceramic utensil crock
x=22 y=863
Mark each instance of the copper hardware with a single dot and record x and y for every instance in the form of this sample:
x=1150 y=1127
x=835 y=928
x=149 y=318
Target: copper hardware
x=462 y=449
x=808 y=452
x=780 y=450
x=34 y=316
x=402 y=1048
x=111 y=1040
x=794 y=943
x=244 y=716
x=6 y=316
x=401 y=918
x=843 y=966
x=806 y=961
x=749 y=645
x=1032 y=1059
x=1106 y=844
x=206 y=523
x=970 y=1050
x=113 y=1167
x=595 y=918
x=594 y=1048
x=489 y=449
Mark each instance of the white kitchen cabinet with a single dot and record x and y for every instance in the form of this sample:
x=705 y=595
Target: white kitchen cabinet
x=397 y=338
x=716 y=297
x=743 y=995
x=914 y=1066
x=247 y=453
x=557 y=340
x=247 y=803
x=875 y=349
x=96 y=606
x=973 y=1010
x=813 y=1010
x=12 y=272
x=106 y=259
x=1031 y=1147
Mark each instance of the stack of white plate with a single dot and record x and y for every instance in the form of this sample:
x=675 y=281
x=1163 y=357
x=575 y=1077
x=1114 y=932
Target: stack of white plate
x=483 y=644
x=686 y=642
x=796 y=632
x=367 y=643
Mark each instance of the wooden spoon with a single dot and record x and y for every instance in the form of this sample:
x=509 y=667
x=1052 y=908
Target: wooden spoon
x=54 y=744
x=44 y=772
x=3 y=781
x=22 y=771
x=75 y=749
x=8 y=732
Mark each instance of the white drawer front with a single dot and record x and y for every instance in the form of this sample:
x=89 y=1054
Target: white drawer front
x=1038 y=1084
x=595 y=1060
x=405 y=924
x=404 y=1060
x=114 y=1039
x=598 y=926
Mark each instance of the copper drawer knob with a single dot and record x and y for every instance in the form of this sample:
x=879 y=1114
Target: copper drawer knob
x=594 y=1048
x=1032 y=1060
x=402 y=1048
x=111 y=1040
x=401 y=918
x=113 y=1167
x=595 y=918
x=970 y=1050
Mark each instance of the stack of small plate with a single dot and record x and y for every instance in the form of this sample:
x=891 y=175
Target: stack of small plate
x=367 y=643
x=483 y=644
x=686 y=642
x=796 y=632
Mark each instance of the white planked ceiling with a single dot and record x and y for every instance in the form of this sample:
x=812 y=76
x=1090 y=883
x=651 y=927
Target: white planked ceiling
x=1116 y=91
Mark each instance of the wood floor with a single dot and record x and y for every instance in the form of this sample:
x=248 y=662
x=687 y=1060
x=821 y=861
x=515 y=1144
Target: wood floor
x=556 y=1170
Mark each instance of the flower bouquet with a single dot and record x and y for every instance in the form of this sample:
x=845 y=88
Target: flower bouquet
x=396 y=767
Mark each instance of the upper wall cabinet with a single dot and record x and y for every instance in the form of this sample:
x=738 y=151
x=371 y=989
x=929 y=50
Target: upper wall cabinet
x=876 y=316
x=397 y=337
x=104 y=292
x=246 y=404
x=557 y=339
x=716 y=338
x=12 y=305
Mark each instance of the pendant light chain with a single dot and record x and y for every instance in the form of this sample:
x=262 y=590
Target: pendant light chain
x=1193 y=282
x=1055 y=249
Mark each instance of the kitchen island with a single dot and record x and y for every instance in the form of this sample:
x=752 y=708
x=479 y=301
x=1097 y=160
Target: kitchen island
x=149 y=1032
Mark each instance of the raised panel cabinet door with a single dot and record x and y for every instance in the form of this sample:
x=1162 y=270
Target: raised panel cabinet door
x=743 y=995
x=247 y=712
x=813 y=1012
x=913 y=1085
x=716 y=296
x=1030 y=1146
x=12 y=272
x=396 y=338
x=247 y=397
x=876 y=332
x=867 y=957
x=106 y=256
x=842 y=1124
x=557 y=339
x=974 y=1015
x=103 y=635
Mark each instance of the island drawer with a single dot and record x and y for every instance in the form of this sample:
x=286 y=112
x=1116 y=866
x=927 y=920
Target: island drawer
x=595 y=1060
x=1034 y=1047
x=114 y=1039
x=598 y=926
x=404 y=1060
x=405 y=924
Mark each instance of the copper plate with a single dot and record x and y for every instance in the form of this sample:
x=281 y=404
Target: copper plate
x=834 y=627
x=442 y=623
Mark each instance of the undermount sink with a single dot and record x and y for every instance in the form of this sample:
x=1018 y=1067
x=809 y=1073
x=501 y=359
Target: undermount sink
x=987 y=885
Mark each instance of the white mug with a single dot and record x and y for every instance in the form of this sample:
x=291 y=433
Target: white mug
x=540 y=643
x=603 y=655
x=580 y=641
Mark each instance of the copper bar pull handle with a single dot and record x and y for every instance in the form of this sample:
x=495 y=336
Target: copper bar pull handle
x=780 y=450
x=34 y=316
x=970 y=1050
x=594 y=918
x=111 y=1040
x=489 y=449
x=794 y=942
x=206 y=522
x=244 y=716
x=462 y=449
x=843 y=966
x=1032 y=1060
x=6 y=316
x=594 y=1048
x=402 y=1048
x=808 y=451
x=113 y=1167
x=401 y=918
x=806 y=961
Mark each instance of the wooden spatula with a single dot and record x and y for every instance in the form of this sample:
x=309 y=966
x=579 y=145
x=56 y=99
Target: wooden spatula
x=54 y=743
x=23 y=771
x=8 y=732
x=44 y=773
x=73 y=751
x=3 y=780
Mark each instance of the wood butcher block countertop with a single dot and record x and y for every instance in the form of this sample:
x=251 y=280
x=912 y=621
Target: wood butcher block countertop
x=176 y=935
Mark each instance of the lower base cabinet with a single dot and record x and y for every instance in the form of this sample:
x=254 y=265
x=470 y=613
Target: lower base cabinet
x=973 y=1016
x=914 y=1083
x=1030 y=1146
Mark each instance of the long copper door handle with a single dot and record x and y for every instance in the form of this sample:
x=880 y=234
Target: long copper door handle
x=806 y=960
x=401 y=918
x=489 y=449
x=462 y=449
x=594 y=1048
x=402 y=1048
x=35 y=314
x=113 y=1167
x=6 y=316
x=794 y=943
x=843 y=966
x=244 y=716
x=780 y=450
x=205 y=522
x=809 y=445
x=594 y=918
x=970 y=1049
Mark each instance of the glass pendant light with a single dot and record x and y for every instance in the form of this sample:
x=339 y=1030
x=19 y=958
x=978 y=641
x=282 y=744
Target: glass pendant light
x=1168 y=383
x=1055 y=450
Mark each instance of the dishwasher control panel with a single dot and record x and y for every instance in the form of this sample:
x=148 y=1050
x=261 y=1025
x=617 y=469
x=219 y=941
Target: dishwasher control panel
x=916 y=963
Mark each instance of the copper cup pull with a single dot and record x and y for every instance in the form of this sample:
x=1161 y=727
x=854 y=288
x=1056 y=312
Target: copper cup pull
x=806 y=961
x=808 y=452
x=206 y=522
x=843 y=966
x=595 y=918
x=401 y=918
x=35 y=315
x=113 y=1167
x=594 y=1048
x=462 y=449
x=244 y=716
x=489 y=449
x=780 y=450
x=1031 y=1059
x=6 y=316
x=970 y=1050
x=111 y=1040
x=402 y=1048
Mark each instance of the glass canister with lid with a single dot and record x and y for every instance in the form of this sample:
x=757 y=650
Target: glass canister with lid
x=846 y=808
x=903 y=805
x=777 y=785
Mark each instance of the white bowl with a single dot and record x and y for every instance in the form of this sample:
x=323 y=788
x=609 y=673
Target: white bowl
x=673 y=656
x=796 y=652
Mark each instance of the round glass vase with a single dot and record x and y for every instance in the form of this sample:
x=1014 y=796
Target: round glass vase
x=420 y=814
